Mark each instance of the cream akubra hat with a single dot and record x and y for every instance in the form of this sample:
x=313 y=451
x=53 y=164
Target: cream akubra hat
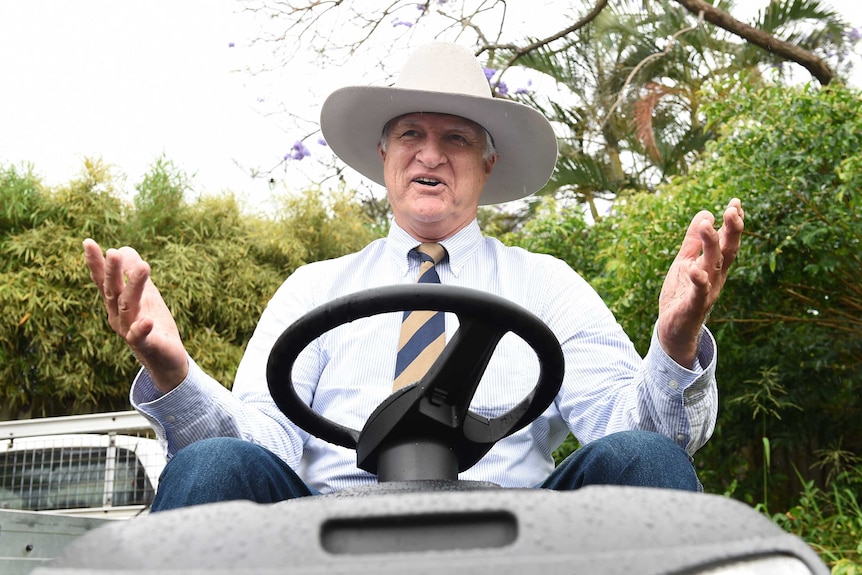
x=443 y=78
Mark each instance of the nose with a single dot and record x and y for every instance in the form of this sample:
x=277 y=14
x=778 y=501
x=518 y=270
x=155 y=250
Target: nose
x=431 y=154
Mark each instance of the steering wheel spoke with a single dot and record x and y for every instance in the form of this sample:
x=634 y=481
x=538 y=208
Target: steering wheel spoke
x=455 y=375
x=431 y=415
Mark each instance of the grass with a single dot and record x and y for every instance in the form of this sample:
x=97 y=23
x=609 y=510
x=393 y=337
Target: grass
x=830 y=520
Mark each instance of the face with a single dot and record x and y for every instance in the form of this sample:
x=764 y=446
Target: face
x=434 y=171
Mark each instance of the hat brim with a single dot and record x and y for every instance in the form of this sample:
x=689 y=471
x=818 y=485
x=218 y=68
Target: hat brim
x=352 y=121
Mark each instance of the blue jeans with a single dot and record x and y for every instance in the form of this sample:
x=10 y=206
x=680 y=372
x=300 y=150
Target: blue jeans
x=223 y=469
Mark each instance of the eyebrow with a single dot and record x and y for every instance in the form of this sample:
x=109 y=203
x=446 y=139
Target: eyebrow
x=453 y=125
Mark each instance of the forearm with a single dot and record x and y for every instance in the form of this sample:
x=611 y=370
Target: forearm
x=201 y=407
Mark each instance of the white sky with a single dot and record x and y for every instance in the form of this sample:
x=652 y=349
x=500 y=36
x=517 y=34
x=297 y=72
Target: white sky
x=130 y=81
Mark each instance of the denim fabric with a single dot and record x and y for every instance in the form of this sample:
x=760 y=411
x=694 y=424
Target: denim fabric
x=633 y=458
x=223 y=469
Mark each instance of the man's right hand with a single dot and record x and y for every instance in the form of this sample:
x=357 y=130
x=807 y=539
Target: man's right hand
x=137 y=312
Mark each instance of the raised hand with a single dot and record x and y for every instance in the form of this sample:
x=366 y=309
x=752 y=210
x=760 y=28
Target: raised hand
x=137 y=312
x=695 y=280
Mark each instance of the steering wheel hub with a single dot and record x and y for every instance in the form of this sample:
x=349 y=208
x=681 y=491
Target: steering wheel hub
x=424 y=431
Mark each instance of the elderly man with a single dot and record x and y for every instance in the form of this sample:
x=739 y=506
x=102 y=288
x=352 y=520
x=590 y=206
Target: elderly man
x=442 y=146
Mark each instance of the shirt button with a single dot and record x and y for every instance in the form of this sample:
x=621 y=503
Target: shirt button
x=674 y=384
x=170 y=419
x=680 y=437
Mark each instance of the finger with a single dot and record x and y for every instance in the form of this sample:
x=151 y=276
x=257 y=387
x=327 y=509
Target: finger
x=131 y=258
x=692 y=244
x=113 y=283
x=137 y=335
x=712 y=260
x=129 y=302
x=730 y=234
x=95 y=262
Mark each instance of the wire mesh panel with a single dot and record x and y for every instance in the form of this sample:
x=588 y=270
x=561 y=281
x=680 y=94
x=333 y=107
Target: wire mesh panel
x=79 y=472
x=53 y=478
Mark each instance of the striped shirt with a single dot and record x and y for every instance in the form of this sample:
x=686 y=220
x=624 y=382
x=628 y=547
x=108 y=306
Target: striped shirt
x=345 y=374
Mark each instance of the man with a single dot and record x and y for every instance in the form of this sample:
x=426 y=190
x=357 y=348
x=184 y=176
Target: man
x=442 y=146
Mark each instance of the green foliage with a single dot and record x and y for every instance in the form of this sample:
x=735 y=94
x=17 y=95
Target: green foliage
x=22 y=199
x=215 y=266
x=562 y=230
x=569 y=445
x=629 y=100
x=160 y=202
x=830 y=520
x=793 y=303
x=788 y=321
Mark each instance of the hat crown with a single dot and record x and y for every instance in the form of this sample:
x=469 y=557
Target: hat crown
x=443 y=78
x=444 y=67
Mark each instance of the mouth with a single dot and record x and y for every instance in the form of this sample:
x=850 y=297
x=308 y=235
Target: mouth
x=428 y=182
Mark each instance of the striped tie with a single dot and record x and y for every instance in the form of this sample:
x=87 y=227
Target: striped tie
x=423 y=333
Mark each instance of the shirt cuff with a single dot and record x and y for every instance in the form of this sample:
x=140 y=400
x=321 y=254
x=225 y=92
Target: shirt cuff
x=178 y=413
x=673 y=378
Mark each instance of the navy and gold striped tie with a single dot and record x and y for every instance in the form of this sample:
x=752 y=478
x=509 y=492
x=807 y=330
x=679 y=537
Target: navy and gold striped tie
x=423 y=333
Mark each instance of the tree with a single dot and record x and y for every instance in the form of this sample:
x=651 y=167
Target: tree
x=630 y=98
x=215 y=266
x=788 y=321
x=341 y=28
x=626 y=75
x=796 y=311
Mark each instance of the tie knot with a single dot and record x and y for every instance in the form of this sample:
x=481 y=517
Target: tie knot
x=432 y=252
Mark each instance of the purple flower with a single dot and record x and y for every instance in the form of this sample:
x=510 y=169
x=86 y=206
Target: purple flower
x=297 y=151
x=854 y=35
x=230 y=44
x=321 y=141
x=524 y=89
x=421 y=7
x=489 y=73
x=399 y=22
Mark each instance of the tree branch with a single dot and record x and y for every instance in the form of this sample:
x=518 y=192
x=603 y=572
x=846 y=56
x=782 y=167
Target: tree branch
x=518 y=52
x=818 y=68
x=641 y=64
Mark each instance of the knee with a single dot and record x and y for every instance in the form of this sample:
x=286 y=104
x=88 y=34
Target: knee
x=223 y=469
x=212 y=458
x=214 y=447
x=643 y=449
x=635 y=458
x=647 y=459
x=640 y=444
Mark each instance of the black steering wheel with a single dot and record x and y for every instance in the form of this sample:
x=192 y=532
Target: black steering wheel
x=435 y=410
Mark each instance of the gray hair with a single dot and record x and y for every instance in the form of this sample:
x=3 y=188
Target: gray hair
x=490 y=148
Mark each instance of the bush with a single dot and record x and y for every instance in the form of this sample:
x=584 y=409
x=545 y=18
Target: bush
x=215 y=266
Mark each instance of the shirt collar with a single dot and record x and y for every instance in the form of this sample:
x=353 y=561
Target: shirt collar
x=458 y=247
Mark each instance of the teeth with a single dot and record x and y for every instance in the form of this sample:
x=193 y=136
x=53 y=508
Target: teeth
x=427 y=181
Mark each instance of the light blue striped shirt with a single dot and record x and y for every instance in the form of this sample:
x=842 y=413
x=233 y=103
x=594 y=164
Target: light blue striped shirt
x=346 y=373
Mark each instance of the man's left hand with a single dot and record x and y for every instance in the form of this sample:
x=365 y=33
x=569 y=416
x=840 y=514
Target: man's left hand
x=695 y=279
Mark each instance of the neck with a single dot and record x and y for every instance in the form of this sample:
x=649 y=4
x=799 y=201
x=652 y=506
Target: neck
x=433 y=231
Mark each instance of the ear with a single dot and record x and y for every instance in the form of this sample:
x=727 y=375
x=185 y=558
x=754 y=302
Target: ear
x=381 y=152
x=489 y=164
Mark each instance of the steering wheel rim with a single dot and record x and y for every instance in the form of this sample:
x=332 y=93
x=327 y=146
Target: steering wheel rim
x=470 y=305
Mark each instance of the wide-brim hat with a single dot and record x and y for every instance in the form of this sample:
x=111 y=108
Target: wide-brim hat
x=443 y=78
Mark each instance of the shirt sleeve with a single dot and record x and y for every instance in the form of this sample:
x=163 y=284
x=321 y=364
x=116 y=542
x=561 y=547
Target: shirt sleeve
x=608 y=387
x=678 y=402
x=200 y=407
